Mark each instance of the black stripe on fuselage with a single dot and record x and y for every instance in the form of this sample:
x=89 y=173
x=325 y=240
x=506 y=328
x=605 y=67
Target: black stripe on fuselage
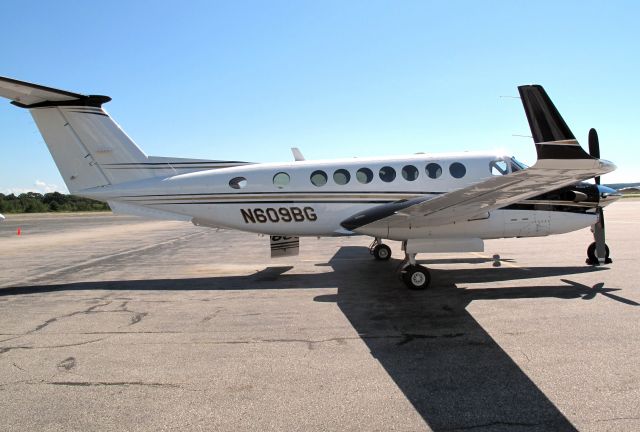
x=550 y=207
x=413 y=194
x=266 y=202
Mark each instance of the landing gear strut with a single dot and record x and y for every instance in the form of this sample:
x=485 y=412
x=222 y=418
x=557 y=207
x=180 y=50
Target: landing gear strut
x=379 y=250
x=415 y=276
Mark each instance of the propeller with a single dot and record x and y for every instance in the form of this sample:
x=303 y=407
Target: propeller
x=594 y=148
x=598 y=227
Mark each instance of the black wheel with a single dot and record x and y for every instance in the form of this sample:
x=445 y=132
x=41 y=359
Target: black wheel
x=592 y=259
x=382 y=252
x=416 y=277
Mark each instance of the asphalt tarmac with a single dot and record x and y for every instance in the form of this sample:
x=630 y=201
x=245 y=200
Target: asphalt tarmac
x=118 y=324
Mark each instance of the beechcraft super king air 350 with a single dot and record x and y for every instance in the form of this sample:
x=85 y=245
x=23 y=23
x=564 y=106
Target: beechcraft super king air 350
x=432 y=203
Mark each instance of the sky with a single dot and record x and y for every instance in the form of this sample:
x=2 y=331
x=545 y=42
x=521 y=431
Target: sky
x=248 y=80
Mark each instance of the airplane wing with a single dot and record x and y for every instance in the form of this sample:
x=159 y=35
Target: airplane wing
x=561 y=162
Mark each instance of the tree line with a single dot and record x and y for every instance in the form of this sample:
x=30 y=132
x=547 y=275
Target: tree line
x=33 y=202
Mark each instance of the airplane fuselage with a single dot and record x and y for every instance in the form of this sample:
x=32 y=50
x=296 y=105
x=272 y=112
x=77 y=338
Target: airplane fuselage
x=313 y=198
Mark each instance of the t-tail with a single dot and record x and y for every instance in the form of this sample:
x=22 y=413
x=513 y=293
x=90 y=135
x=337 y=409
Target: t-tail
x=87 y=145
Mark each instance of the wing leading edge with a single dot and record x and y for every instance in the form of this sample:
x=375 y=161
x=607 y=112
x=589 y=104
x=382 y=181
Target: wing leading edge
x=561 y=162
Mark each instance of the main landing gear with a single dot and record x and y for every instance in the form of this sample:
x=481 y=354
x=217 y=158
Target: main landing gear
x=379 y=250
x=414 y=276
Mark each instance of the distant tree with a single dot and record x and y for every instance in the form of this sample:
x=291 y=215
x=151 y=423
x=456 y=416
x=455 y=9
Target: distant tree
x=33 y=202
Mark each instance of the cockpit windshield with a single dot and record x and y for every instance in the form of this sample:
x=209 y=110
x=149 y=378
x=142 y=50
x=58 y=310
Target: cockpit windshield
x=505 y=165
x=517 y=165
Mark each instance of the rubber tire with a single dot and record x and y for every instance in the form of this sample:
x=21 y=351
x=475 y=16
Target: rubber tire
x=416 y=277
x=592 y=259
x=382 y=252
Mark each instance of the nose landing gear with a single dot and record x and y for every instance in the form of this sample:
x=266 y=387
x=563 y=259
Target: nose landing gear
x=598 y=251
x=592 y=258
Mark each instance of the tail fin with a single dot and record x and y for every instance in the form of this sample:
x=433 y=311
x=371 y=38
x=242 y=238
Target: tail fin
x=87 y=146
x=552 y=136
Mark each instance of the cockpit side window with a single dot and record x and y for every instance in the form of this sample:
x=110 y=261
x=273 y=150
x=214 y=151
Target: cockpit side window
x=499 y=167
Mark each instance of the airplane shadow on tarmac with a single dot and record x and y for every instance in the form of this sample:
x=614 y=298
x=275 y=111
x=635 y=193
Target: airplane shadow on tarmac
x=450 y=369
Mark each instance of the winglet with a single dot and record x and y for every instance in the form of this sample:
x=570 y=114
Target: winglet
x=552 y=136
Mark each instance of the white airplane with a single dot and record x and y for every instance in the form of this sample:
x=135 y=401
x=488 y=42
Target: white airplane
x=1 y=217
x=432 y=203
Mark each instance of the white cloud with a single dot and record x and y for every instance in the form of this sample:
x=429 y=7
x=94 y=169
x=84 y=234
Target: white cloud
x=39 y=186
x=44 y=187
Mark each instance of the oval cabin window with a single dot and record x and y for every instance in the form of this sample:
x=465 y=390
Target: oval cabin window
x=341 y=176
x=281 y=179
x=433 y=170
x=457 y=170
x=238 y=182
x=364 y=175
x=387 y=174
x=409 y=173
x=318 y=178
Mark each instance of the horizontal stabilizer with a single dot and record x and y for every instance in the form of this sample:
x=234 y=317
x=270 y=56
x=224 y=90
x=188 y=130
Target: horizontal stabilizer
x=29 y=95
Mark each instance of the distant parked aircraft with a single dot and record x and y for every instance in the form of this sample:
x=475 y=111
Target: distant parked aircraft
x=430 y=202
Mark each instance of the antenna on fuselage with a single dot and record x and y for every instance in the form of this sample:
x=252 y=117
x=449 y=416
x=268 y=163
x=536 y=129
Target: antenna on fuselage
x=297 y=154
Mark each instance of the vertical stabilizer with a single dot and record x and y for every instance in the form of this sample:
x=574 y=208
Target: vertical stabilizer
x=88 y=147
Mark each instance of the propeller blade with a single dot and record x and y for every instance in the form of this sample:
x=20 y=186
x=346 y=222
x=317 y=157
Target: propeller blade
x=594 y=147
x=594 y=144
x=599 y=237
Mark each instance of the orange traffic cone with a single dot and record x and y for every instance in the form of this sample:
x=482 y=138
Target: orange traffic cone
x=19 y=231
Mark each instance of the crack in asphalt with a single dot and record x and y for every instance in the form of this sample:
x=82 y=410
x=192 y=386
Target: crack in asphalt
x=54 y=319
x=106 y=383
x=18 y=367
x=404 y=338
x=136 y=316
x=618 y=418
x=7 y=349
